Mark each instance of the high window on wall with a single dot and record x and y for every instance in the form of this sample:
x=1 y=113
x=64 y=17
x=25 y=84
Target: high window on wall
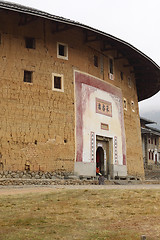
x=95 y=61
x=62 y=51
x=121 y=75
x=57 y=82
x=111 y=69
x=27 y=76
x=30 y=43
x=149 y=153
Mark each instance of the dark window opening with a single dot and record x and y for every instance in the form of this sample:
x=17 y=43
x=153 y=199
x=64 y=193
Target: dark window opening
x=132 y=105
x=111 y=66
x=125 y=103
x=121 y=74
x=30 y=43
x=149 y=141
x=155 y=141
x=62 y=50
x=57 y=82
x=27 y=76
x=95 y=61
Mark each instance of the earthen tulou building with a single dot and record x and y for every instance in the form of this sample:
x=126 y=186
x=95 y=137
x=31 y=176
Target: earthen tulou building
x=69 y=96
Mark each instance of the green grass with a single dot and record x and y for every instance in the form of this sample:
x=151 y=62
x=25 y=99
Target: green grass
x=81 y=215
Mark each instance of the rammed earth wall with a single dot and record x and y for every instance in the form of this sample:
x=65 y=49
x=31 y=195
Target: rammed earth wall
x=38 y=124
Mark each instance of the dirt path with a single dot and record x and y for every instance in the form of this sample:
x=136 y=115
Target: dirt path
x=12 y=190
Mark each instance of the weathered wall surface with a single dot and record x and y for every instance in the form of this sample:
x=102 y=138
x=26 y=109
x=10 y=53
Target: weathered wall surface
x=38 y=124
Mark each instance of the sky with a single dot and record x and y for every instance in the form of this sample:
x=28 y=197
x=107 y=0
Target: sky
x=134 y=21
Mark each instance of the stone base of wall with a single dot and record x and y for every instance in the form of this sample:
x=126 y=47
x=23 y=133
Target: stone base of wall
x=21 y=178
x=51 y=182
x=44 y=178
x=34 y=175
x=21 y=182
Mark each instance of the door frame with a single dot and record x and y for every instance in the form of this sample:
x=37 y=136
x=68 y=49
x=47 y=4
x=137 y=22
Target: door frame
x=106 y=143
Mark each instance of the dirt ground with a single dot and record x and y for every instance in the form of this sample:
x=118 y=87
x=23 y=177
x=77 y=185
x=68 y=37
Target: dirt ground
x=11 y=190
x=76 y=212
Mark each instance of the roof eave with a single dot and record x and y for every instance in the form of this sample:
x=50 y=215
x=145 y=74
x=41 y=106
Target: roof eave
x=146 y=61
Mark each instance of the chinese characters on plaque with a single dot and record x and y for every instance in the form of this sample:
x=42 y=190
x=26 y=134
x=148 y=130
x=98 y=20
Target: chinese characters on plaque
x=104 y=126
x=103 y=107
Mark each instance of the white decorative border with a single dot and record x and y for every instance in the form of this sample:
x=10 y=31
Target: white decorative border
x=115 y=150
x=92 y=146
x=62 y=82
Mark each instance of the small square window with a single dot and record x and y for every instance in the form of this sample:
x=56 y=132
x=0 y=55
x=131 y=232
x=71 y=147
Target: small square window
x=62 y=51
x=95 y=61
x=30 y=43
x=57 y=82
x=27 y=76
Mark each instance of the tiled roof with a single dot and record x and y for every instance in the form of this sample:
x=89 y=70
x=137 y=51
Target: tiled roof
x=38 y=13
x=146 y=121
x=148 y=82
x=151 y=131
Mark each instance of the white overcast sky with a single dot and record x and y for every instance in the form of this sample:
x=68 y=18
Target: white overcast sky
x=134 y=21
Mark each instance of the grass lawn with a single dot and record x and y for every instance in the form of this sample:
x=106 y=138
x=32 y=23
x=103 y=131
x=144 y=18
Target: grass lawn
x=81 y=214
